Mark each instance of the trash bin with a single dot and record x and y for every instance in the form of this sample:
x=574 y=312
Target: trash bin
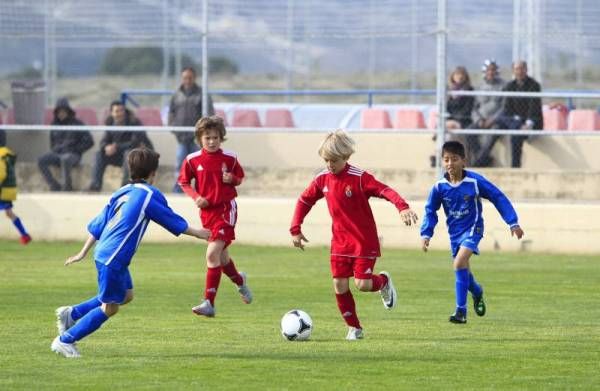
x=29 y=101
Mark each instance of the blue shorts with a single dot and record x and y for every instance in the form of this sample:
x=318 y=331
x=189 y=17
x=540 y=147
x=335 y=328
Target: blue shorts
x=112 y=284
x=5 y=205
x=466 y=240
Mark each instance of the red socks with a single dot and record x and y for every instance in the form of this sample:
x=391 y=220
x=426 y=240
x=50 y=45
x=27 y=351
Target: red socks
x=345 y=303
x=232 y=273
x=379 y=281
x=213 y=278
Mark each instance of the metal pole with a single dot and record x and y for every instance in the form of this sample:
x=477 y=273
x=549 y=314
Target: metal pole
x=371 y=77
x=414 y=49
x=165 y=47
x=47 y=48
x=578 y=45
x=441 y=83
x=289 y=82
x=516 y=30
x=176 y=11
x=204 y=58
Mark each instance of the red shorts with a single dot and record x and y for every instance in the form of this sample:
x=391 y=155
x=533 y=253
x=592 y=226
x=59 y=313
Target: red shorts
x=345 y=267
x=220 y=221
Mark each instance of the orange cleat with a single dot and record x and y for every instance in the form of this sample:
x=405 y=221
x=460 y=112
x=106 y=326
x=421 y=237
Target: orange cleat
x=25 y=239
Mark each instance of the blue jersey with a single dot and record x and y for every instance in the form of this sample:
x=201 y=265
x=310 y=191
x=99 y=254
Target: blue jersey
x=120 y=226
x=462 y=206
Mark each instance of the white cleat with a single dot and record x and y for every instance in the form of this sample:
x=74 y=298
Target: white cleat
x=63 y=319
x=388 y=293
x=244 y=290
x=204 y=309
x=69 y=350
x=354 y=334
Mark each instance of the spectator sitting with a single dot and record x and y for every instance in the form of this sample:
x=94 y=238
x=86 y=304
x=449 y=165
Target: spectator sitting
x=66 y=147
x=487 y=109
x=459 y=107
x=115 y=145
x=185 y=109
x=518 y=112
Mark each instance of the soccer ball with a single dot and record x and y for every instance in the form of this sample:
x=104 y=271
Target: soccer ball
x=296 y=325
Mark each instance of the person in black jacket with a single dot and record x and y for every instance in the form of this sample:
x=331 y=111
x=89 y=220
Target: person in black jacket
x=518 y=112
x=66 y=147
x=115 y=145
x=185 y=109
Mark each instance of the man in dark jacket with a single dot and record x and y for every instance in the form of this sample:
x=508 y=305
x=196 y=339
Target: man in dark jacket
x=520 y=112
x=115 y=145
x=66 y=147
x=185 y=109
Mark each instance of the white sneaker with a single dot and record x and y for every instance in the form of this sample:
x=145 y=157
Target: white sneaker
x=388 y=293
x=63 y=319
x=68 y=350
x=354 y=334
x=204 y=309
x=244 y=290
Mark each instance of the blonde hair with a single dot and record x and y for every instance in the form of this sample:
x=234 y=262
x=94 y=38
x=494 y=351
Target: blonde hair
x=337 y=145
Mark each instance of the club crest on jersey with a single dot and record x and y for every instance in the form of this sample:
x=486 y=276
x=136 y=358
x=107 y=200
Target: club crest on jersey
x=348 y=191
x=466 y=197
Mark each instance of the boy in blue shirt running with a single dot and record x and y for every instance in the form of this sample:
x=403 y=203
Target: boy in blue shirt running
x=118 y=229
x=460 y=192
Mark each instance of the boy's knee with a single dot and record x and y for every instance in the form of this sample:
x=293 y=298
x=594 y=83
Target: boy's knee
x=110 y=309
x=363 y=285
x=128 y=298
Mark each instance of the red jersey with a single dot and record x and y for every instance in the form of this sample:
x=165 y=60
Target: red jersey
x=347 y=194
x=207 y=169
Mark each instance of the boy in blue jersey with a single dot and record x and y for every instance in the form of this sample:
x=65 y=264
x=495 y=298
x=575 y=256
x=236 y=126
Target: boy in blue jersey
x=118 y=229
x=460 y=193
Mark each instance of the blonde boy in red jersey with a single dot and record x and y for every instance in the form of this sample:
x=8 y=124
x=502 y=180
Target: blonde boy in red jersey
x=355 y=244
x=216 y=174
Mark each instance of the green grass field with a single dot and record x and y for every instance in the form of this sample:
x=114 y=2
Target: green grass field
x=541 y=332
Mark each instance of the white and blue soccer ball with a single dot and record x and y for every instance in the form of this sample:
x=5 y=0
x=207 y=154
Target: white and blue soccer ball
x=296 y=325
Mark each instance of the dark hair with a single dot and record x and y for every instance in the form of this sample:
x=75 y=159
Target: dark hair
x=454 y=147
x=191 y=69
x=142 y=162
x=205 y=124
x=116 y=103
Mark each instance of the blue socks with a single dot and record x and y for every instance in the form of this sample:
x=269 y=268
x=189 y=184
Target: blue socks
x=474 y=287
x=17 y=222
x=462 y=286
x=86 y=325
x=81 y=309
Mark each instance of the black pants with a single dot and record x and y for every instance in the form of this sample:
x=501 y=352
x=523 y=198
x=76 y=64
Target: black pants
x=118 y=159
x=65 y=161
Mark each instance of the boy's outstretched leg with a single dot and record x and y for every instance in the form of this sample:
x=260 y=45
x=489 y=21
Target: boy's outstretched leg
x=477 y=293
x=347 y=307
x=65 y=344
x=214 y=252
x=461 y=287
x=238 y=278
x=67 y=316
x=25 y=237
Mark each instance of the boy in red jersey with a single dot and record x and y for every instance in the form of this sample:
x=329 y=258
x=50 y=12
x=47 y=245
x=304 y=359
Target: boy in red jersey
x=355 y=244
x=216 y=174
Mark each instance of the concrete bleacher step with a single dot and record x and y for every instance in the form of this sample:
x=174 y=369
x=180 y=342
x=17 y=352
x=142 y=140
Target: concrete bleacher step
x=413 y=184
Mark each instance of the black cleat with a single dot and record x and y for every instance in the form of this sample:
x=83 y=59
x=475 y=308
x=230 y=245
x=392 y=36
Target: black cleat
x=479 y=305
x=459 y=317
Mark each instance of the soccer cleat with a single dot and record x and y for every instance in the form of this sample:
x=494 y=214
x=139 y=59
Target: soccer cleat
x=459 y=317
x=244 y=290
x=204 y=309
x=479 y=305
x=388 y=293
x=25 y=239
x=63 y=319
x=69 y=350
x=354 y=334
